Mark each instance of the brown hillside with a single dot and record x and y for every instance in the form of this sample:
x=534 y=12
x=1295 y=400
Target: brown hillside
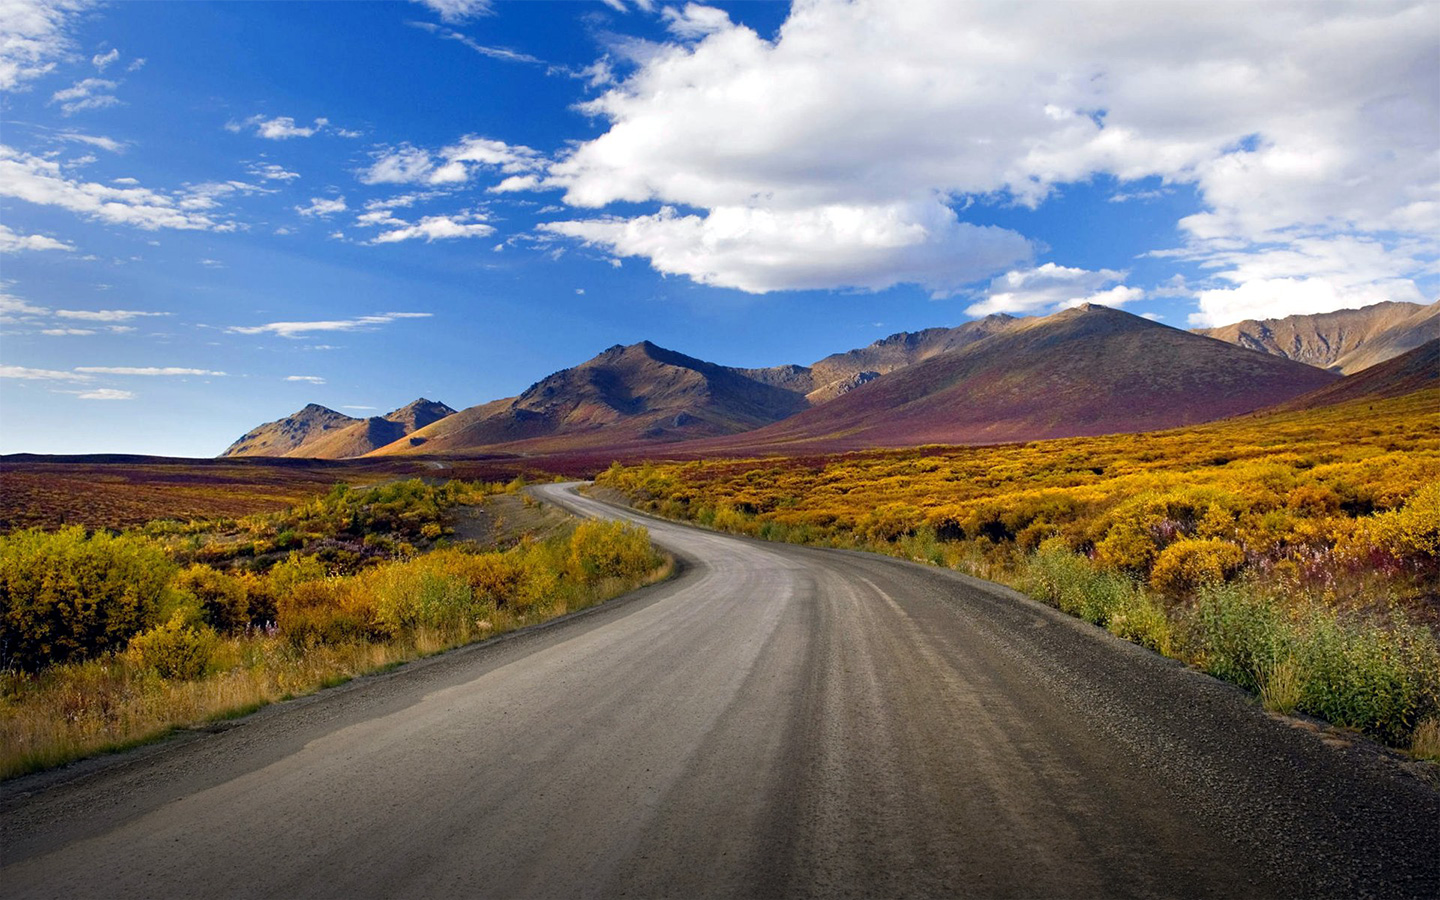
x=1084 y=371
x=317 y=432
x=1345 y=341
x=281 y=437
x=1415 y=370
x=626 y=395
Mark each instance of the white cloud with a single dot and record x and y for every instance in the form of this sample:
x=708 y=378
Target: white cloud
x=457 y=10
x=106 y=315
x=308 y=379
x=1052 y=287
x=10 y=242
x=146 y=371
x=14 y=309
x=1305 y=275
x=359 y=407
x=105 y=394
x=272 y=172
x=27 y=374
x=104 y=143
x=34 y=36
x=67 y=332
x=88 y=93
x=43 y=182
x=695 y=20
x=501 y=53
x=451 y=165
x=882 y=106
x=103 y=61
x=279 y=128
x=432 y=228
x=322 y=206
x=759 y=250
x=298 y=329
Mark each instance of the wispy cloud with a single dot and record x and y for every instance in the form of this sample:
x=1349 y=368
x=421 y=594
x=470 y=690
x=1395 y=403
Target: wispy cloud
x=43 y=182
x=146 y=371
x=103 y=61
x=87 y=93
x=106 y=394
x=26 y=373
x=501 y=53
x=308 y=379
x=272 y=172
x=457 y=10
x=106 y=315
x=454 y=164
x=299 y=329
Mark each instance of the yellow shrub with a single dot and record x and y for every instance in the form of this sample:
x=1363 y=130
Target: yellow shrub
x=1127 y=547
x=177 y=649
x=1191 y=562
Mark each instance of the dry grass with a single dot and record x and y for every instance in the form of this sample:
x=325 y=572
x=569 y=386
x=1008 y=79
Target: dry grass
x=1425 y=742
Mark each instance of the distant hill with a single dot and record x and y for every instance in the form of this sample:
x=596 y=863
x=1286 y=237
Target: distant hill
x=317 y=432
x=624 y=396
x=842 y=372
x=1345 y=341
x=1085 y=371
x=1415 y=370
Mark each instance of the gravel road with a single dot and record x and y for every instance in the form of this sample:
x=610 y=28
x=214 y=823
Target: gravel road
x=776 y=721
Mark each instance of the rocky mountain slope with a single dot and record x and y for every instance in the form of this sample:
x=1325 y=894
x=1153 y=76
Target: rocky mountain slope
x=1345 y=341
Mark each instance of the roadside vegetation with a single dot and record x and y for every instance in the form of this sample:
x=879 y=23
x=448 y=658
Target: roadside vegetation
x=1297 y=555
x=107 y=640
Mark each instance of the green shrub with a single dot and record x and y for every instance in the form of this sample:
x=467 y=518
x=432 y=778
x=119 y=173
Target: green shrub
x=65 y=595
x=1241 y=636
x=177 y=649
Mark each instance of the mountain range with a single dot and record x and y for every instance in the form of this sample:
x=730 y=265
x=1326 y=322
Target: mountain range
x=1345 y=341
x=1082 y=371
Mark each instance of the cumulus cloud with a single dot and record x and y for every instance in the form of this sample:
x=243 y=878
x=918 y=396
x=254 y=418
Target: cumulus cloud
x=432 y=228
x=34 y=36
x=279 y=128
x=322 y=206
x=760 y=250
x=1051 y=287
x=88 y=93
x=11 y=242
x=454 y=164
x=886 y=107
x=43 y=182
x=299 y=329
x=106 y=394
x=1307 y=275
x=272 y=172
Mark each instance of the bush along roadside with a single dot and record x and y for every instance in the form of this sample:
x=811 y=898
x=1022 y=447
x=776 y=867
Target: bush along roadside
x=1325 y=626
x=108 y=643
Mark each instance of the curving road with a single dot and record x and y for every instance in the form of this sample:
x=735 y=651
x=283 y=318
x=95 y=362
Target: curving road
x=776 y=721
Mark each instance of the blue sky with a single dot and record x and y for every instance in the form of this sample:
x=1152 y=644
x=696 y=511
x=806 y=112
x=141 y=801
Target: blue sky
x=214 y=213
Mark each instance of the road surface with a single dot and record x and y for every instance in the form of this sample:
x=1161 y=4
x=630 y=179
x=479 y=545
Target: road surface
x=777 y=721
